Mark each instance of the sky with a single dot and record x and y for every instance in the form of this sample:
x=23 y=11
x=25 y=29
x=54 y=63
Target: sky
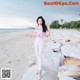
x=23 y=13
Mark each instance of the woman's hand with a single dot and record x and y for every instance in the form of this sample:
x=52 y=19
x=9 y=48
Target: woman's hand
x=47 y=33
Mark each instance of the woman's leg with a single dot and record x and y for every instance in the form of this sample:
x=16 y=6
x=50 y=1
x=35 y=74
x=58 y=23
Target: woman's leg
x=41 y=47
x=36 y=50
x=39 y=51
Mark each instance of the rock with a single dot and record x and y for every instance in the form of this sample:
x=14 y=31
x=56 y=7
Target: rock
x=30 y=74
x=57 y=47
x=73 y=41
x=71 y=61
x=68 y=70
x=66 y=78
x=79 y=46
x=76 y=74
x=47 y=74
x=68 y=40
x=56 y=59
x=77 y=78
x=71 y=51
x=49 y=46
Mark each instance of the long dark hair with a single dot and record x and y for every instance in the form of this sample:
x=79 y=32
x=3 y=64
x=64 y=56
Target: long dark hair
x=43 y=23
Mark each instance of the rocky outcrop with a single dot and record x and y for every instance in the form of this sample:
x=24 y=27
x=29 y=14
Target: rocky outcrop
x=57 y=47
x=61 y=42
x=70 y=70
x=70 y=50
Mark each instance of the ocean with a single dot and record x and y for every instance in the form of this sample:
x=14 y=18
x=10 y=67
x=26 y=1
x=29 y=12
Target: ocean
x=7 y=30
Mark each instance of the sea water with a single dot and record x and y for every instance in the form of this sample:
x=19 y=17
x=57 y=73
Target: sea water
x=7 y=30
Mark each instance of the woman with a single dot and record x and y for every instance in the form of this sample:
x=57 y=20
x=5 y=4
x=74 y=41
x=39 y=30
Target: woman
x=41 y=31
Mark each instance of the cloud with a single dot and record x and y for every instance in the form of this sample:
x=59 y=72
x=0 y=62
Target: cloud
x=15 y=22
x=23 y=13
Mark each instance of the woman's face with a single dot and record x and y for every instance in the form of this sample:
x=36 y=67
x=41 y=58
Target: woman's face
x=39 y=21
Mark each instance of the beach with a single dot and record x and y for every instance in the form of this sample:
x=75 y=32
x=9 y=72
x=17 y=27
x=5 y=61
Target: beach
x=17 y=52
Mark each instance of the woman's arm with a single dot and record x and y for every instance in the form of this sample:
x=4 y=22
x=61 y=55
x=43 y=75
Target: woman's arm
x=48 y=31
